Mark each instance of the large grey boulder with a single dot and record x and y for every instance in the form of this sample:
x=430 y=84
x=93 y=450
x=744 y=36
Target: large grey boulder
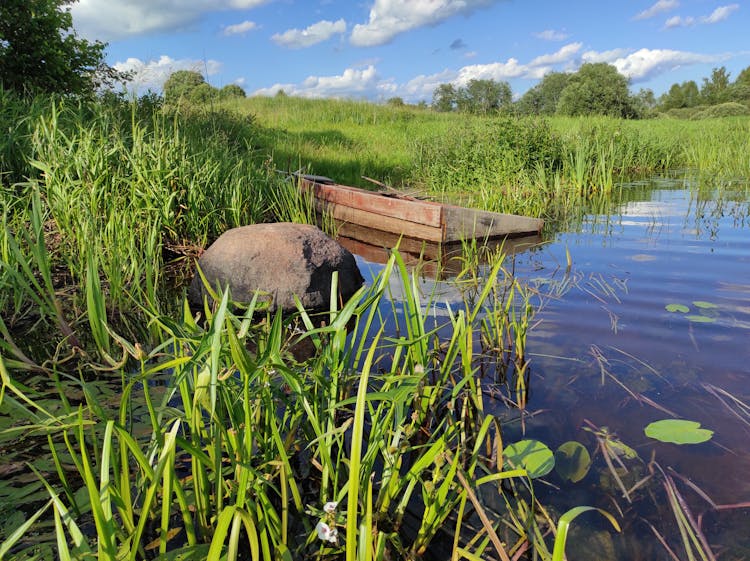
x=282 y=259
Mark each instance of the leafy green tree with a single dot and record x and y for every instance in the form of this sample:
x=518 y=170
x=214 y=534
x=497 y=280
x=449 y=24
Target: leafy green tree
x=691 y=94
x=687 y=94
x=671 y=99
x=444 y=98
x=644 y=103
x=743 y=77
x=716 y=89
x=596 y=89
x=180 y=85
x=232 y=90
x=739 y=91
x=679 y=96
x=484 y=96
x=396 y=102
x=203 y=93
x=40 y=51
x=543 y=98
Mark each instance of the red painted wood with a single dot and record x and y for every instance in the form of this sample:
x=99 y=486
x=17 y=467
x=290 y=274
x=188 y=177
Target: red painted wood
x=411 y=210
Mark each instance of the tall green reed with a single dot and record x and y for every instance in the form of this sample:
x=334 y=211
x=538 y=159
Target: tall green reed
x=245 y=445
x=121 y=188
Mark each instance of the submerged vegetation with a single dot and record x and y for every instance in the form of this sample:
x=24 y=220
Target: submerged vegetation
x=136 y=428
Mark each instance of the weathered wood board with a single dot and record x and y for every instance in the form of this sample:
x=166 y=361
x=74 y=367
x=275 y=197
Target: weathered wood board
x=411 y=218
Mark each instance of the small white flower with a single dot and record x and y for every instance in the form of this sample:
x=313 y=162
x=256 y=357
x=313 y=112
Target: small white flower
x=330 y=508
x=326 y=533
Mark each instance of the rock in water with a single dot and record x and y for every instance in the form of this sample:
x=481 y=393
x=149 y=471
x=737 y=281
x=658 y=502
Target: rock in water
x=282 y=259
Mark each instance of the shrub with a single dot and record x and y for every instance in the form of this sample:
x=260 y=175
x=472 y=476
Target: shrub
x=232 y=90
x=729 y=109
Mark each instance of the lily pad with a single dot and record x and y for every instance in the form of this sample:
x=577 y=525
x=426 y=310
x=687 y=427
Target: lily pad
x=678 y=431
x=682 y=308
x=700 y=319
x=572 y=461
x=704 y=305
x=534 y=456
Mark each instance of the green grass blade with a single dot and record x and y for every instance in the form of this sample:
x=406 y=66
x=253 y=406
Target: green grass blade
x=352 y=507
x=558 y=552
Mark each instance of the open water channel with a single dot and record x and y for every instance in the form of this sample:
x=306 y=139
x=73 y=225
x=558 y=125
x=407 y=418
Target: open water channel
x=608 y=355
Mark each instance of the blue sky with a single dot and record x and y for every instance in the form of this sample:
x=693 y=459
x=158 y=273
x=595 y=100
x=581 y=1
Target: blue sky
x=377 y=49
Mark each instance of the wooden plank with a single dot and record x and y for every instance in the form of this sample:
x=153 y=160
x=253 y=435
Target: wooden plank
x=410 y=210
x=389 y=240
x=379 y=222
x=462 y=223
x=421 y=220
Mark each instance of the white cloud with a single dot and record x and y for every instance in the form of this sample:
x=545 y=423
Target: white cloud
x=660 y=7
x=679 y=21
x=108 y=20
x=564 y=54
x=551 y=35
x=422 y=86
x=352 y=83
x=240 y=28
x=605 y=56
x=365 y=82
x=152 y=74
x=239 y=4
x=389 y=18
x=644 y=64
x=498 y=71
x=316 y=33
x=720 y=14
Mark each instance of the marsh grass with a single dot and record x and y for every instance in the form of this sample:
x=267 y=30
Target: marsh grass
x=558 y=168
x=237 y=452
x=213 y=441
x=120 y=188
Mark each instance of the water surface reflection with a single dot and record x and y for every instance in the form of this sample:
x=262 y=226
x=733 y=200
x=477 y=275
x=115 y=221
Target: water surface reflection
x=608 y=351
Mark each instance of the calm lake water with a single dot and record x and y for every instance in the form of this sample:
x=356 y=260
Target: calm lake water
x=606 y=350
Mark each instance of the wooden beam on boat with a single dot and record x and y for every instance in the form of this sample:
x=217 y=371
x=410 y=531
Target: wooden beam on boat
x=370 y=220
x=465 y=224
x=408 y=209
x=412 y=218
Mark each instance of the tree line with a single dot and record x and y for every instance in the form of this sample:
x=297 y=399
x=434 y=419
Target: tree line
x=40 y=52
x=598 y=89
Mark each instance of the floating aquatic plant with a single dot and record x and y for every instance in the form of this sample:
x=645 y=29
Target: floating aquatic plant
x=704 y=305
x=678 y=431
x=534 y=456
x=572 y=461
x=697 y=318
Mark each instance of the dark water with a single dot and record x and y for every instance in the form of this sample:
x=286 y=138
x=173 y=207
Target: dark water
x=607 y=351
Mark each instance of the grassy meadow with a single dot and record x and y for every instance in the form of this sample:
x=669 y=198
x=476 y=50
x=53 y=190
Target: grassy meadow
x=134 y=428
x=554 y=168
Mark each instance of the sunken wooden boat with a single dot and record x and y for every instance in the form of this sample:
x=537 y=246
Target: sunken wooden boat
x=359 y=213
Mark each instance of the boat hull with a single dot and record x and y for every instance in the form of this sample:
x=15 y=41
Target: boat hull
x=357 y=211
